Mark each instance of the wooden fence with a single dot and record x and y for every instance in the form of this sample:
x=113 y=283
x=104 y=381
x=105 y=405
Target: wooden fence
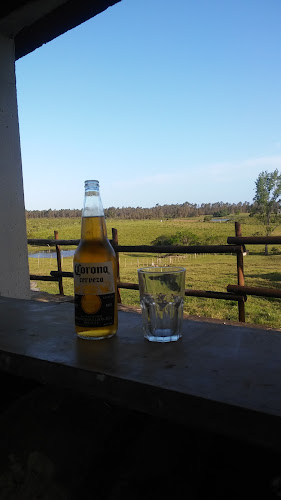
x=235 y=245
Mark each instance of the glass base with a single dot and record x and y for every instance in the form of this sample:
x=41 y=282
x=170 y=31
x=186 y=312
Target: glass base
x=92 y=337
x=162 y=336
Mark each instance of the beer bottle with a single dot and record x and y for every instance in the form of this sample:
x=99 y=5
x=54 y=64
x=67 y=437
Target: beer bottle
x=95 y=272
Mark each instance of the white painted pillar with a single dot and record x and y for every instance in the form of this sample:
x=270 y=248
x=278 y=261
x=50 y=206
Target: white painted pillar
x=14 y=272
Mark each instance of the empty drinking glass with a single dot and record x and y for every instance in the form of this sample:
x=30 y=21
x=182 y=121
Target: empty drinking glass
x=162 y=297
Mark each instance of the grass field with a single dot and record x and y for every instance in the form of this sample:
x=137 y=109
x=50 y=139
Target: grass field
x=133 y=232
x=204 y=272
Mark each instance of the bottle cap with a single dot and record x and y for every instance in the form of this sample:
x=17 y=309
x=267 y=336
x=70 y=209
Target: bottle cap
x=91 y=184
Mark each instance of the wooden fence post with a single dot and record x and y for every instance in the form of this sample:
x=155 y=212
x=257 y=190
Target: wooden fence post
x=115 y=243
x=59 y=263
x=240 y=274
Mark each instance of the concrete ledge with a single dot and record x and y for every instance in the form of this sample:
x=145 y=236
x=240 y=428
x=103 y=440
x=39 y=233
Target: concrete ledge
x=219 y=378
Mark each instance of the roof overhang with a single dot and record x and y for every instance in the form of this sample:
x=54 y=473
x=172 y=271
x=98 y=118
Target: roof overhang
x=33 y=23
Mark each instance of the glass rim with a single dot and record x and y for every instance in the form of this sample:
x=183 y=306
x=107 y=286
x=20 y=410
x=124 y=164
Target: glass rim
x=161 y=269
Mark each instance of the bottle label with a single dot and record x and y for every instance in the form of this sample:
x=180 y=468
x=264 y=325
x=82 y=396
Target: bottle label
x=94 y=294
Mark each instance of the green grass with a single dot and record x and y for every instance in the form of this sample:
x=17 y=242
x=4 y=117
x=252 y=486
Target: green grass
x=205 y=272
x=132 y=232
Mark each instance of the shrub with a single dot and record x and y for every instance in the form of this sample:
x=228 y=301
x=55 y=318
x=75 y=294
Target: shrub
x=179 y=238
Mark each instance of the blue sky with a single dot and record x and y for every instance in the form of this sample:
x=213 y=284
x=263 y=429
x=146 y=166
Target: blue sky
x=161 y=101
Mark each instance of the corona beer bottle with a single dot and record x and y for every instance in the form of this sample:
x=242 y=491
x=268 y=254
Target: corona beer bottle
x=95 y=272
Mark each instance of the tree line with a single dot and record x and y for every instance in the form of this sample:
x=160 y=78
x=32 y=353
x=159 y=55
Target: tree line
x=53 y=214
x=173 y=211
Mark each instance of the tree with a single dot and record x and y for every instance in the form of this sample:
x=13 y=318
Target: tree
x=267 y=200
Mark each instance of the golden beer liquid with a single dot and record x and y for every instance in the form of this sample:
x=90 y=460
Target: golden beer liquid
x=95 y=247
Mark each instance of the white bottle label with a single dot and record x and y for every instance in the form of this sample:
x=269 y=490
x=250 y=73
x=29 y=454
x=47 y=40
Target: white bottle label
x=95 y=278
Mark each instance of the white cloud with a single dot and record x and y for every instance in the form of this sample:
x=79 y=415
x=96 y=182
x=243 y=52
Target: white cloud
x=224 y=181
x=223 y=171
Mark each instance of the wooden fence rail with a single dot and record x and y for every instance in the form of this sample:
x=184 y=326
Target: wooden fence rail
x=188 y=291
x=254 y=290
x=254 y=240
x=235 y=245
x=51 y=243
x=147 y=248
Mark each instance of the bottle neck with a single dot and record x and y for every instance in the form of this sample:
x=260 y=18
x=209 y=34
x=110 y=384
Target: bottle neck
x=93 y=221
x=92 y=200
